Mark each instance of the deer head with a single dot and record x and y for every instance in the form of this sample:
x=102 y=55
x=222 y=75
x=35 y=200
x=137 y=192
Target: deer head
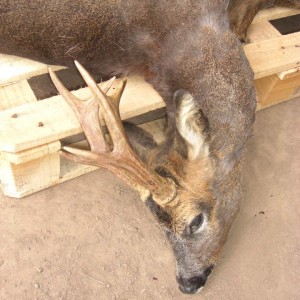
x=174 y=179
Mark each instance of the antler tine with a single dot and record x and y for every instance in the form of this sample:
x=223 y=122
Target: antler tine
x=90 y=80
x=109 y=111
x=91 y=83
x=116 y=96
x=68 y=96
x=79 y=155
x=87 y=114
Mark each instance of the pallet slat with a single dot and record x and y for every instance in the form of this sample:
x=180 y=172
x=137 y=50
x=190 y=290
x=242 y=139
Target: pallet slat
x=261 y=31
x=274 y=13
x=14 y=68
x=274 y=55
x=36 y=124
x=30 y=154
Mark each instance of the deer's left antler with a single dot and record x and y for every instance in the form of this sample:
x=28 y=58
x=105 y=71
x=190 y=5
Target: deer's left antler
x=118 y=157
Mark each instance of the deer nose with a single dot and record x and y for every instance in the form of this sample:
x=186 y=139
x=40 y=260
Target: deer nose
x=194 y=284
x=191 y=285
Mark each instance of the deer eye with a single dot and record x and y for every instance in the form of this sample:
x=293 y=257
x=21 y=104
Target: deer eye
x=196 y=224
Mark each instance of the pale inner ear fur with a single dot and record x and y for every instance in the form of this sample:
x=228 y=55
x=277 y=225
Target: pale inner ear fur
x=191 y=125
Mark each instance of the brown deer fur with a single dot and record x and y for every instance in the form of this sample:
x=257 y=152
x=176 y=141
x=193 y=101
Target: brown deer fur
x=188 y=51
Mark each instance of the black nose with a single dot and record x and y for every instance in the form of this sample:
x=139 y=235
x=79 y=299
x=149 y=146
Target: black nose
x=193 y=284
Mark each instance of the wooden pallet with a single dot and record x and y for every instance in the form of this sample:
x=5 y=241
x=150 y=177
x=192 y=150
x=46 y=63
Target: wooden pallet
x=32 y=131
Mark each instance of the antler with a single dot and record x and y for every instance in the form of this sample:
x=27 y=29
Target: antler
x=118 y=156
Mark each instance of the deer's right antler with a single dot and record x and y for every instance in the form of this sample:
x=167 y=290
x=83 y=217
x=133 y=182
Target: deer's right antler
x=118 y=156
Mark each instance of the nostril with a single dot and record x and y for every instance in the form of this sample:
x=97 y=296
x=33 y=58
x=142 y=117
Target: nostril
x=196 y=281
x=208 y=271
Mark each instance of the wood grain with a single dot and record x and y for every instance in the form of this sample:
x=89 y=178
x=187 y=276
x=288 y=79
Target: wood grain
x=274 y=55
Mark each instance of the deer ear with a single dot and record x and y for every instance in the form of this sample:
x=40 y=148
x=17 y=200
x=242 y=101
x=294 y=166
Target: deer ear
x=191 y=124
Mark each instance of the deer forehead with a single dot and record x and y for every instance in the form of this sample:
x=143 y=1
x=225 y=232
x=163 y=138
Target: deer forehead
x=194 y=178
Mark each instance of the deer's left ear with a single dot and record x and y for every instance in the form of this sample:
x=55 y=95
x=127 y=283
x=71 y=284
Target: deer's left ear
x=191 y=124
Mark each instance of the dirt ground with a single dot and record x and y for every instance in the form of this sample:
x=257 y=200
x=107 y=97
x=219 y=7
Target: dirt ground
x=92 y=238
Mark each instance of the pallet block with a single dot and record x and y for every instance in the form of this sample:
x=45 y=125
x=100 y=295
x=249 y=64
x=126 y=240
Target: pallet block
x=277 y=88
x=21 y=179
x=31 y=131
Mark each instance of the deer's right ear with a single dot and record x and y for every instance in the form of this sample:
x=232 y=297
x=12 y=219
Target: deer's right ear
x=191 y=124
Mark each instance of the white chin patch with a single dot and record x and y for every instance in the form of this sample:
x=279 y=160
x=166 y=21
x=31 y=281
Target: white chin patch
x=199 y=290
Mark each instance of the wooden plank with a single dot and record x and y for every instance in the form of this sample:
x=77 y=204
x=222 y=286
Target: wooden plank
x=52 y=119
x=16 y=94
x=274 y=13
x=14 y=68
x=261 y=31
x=275 y=55
x=30 y=154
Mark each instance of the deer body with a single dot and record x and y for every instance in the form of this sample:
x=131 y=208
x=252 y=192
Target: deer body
x=175 y=45
x=188 y=52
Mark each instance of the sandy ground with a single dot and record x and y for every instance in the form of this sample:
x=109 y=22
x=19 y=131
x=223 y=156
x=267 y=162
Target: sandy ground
x=91 y=238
